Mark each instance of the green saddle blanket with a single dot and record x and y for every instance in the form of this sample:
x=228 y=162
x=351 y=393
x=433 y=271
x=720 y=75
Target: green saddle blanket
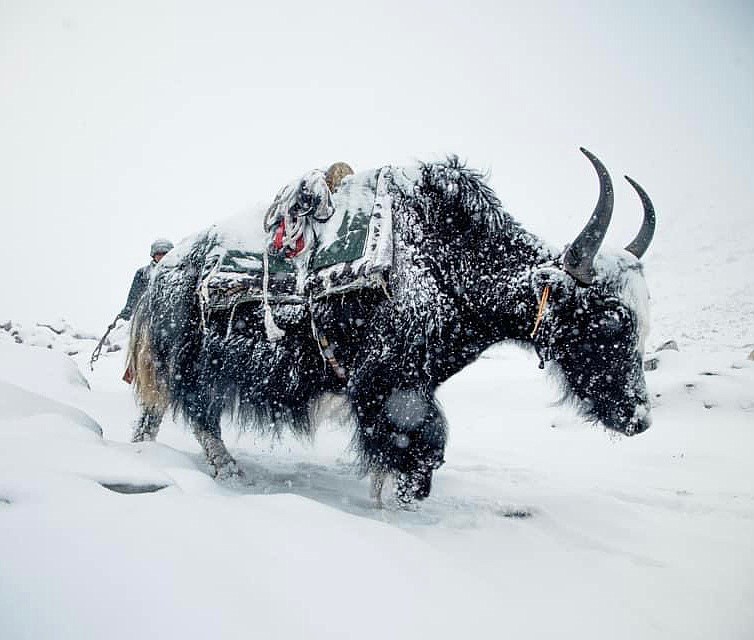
x=349 y=251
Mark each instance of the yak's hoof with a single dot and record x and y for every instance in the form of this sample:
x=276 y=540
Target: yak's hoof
x=377 y=482
x=413 y=486
x=228 y=471
x=143 y=436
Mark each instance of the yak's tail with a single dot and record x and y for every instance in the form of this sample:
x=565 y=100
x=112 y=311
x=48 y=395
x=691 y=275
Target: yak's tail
x=151 y=391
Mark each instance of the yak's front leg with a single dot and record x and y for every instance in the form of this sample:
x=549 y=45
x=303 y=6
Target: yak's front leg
x=402 y=433
x=420 y=428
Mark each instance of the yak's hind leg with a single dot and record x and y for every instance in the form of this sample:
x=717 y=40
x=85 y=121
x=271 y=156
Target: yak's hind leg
x=152 y=397
x=206 y=428
x=149 y=386
x=222 y=465
x=402 y=433
x=148 y=424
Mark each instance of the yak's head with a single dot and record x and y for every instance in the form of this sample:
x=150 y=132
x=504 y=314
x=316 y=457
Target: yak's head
x=594 y=317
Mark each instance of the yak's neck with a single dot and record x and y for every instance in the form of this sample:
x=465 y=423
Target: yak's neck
x=496 y=296
x=454 y=298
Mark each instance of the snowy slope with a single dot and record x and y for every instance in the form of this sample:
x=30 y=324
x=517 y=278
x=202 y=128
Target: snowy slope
x=120 y=122
x=539 y=525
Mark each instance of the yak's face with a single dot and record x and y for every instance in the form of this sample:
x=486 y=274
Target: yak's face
x=597 y=341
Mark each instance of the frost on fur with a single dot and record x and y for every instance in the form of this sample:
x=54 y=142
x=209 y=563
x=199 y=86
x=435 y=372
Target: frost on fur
x=464 y=275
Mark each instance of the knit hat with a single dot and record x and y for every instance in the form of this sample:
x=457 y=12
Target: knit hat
x=161 y=245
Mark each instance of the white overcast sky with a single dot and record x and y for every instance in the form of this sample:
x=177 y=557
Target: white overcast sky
x=123 y=121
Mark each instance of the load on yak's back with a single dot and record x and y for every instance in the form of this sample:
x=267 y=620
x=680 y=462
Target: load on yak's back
x=379 y=286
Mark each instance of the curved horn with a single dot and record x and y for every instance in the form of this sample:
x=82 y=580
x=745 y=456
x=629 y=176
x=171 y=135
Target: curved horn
x=640 y=243
x=577 y=260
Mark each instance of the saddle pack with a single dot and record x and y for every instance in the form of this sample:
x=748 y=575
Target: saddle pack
x=317 y=243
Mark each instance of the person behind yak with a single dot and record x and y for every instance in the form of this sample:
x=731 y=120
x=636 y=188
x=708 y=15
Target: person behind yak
x=141 y=278
x=157 y=251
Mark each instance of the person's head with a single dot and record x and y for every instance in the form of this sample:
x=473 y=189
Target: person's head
x=159 y=248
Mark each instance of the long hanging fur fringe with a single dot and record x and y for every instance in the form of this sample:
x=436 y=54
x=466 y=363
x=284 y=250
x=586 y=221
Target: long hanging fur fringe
x=274 y=333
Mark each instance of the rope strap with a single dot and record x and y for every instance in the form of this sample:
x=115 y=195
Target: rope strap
x=328 y=353
x=273 y=332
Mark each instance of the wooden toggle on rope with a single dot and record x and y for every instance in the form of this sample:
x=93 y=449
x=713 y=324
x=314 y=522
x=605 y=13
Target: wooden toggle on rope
x=541 y=310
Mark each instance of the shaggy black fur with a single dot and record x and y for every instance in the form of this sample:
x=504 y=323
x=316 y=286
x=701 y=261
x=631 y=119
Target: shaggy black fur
x=465 y=276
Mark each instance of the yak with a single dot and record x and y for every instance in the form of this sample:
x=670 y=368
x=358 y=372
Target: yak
x=464 y=276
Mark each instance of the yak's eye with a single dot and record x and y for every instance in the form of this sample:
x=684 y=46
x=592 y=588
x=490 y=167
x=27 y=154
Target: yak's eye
x=612 y=321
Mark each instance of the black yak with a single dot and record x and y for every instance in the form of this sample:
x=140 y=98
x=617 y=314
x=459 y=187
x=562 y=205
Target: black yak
x=464 y=275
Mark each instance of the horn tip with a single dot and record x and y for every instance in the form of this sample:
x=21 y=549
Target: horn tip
x=593 y=159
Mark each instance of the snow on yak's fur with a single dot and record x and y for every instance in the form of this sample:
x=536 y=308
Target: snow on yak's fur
x=465 y=276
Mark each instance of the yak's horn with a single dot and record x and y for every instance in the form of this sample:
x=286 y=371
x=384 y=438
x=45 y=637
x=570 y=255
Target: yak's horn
x=578 y=258
x=641 y=242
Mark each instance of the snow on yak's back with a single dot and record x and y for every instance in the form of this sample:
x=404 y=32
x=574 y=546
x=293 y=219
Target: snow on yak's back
x=464 y=275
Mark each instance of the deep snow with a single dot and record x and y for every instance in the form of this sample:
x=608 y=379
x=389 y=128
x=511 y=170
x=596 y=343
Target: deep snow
x=539 y=525
x=123 y=121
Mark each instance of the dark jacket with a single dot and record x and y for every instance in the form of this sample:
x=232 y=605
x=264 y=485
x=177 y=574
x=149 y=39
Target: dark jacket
x=138 y=287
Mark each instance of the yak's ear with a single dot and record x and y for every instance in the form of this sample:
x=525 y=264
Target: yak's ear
x=561 y=285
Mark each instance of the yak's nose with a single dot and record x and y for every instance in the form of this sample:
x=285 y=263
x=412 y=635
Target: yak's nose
x=644 y=424
x=642 y=421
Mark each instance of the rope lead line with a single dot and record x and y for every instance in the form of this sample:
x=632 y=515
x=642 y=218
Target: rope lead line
x=98 y=349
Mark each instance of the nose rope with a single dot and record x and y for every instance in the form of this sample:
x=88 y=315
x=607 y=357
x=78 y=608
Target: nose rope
x=541 y=311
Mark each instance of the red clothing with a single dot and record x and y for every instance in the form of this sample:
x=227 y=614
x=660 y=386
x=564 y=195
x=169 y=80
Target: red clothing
x=277 y=242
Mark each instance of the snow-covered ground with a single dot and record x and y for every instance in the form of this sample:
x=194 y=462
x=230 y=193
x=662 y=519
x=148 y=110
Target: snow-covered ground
x=539 y=525
x=121 y=122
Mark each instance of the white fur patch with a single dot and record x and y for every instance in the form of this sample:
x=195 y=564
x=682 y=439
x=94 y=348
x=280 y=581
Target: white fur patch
x=622 y=272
